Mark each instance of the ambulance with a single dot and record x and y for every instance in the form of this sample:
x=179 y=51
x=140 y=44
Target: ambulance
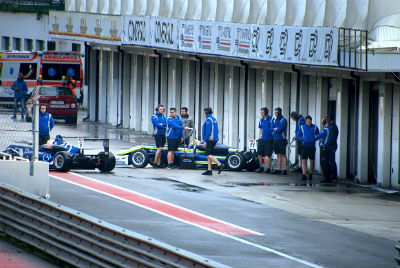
x=52 y=66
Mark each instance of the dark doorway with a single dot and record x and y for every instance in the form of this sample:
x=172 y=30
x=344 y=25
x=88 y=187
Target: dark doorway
x=352 y=134
x=373 y=134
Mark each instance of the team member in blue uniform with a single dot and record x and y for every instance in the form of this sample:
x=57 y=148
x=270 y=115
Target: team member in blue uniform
x=46 y=124
x=159 y=127
x=326 y=145
x=210 y=139
x=279 y=127
x=332 y=157
x=264 y=146
x=306 y=136
x=174 y=135
x=299 y=119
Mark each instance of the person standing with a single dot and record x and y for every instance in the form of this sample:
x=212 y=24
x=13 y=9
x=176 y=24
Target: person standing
x=306 y=136
x=279 y=128
x=332 y=158
x=264 y=146
x=159 y=127
x=325 y=145
x=40 y=80
x=299 y=119
x=174 y=136
x=20 y=89
x=71 y=83
x=210 y=139
x=187 y=122
x=46 y=124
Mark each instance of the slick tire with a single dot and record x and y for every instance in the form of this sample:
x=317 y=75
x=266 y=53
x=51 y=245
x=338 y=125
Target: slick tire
x=234 y=161
x=62 y=161
x=139 y=158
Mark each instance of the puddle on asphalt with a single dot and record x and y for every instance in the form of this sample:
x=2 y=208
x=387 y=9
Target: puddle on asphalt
x=182 y=186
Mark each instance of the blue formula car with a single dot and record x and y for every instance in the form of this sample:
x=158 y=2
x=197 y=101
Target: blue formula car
x=235 y=160
x=63 y=156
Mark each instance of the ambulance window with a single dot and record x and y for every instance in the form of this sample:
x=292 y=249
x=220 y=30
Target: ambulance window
x=51 y=71
x=72 y=69
x=29 y=70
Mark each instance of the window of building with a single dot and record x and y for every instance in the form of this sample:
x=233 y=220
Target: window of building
x=51 y=45
x=28 y=44
x=39 y=45
x=17 y=44
x=76 y=47
x=5 y=43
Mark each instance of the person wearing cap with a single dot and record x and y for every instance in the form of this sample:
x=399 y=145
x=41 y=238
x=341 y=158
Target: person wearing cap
x=265 y=140
x=279 y=128
x=306 y=136
x=299 y=119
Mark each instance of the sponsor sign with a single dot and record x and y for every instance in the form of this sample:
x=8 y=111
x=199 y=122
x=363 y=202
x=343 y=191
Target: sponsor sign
x=188 y=31
x=164 y=32
x=225 y=39
x=206 y=37
x=137 y=30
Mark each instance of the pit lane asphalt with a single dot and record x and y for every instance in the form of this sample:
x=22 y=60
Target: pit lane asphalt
x=302 y=237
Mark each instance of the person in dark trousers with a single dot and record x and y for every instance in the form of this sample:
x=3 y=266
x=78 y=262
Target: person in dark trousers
x=332 y=157
x=174 y=136
x=279 y=128
x=299 y=119
x=306 y=136
x=187 y=122
x=264 y=145
x=326 y=147
x=71 y=83
x=210 y=139
x=46 y=124
x=159 y=127
x=20 y=89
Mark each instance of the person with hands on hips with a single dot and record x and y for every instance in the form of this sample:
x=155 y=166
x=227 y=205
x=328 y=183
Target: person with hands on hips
x=279 y=128
x=174 y=136
x=159 y=127
x=264 y=144
x=20 y=88
x=210 y=139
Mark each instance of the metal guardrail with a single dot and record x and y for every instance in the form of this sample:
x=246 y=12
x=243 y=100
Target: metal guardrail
x=398 y=255
x=353 y=48
x=84 y=241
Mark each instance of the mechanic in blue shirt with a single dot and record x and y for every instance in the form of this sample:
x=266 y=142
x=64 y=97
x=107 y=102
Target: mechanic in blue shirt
x=46 y=124
x=210 y=139
x=299 y=119
x=174 y=136
x=279 y=128
x=332 y=157
x=264 y=144
x=20 y=89
x=326 y=145
x=306 y=136
x=159 y=127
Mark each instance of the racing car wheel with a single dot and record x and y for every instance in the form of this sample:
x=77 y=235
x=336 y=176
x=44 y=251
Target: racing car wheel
x=139 y=158
x=62 y=161
x=234 y=161
x=106 y=163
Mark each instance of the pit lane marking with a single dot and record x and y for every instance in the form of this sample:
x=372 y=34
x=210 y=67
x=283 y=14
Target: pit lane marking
x=172 y=211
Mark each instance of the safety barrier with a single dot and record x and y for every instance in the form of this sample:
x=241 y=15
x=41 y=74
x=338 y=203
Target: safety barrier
x=82 y=240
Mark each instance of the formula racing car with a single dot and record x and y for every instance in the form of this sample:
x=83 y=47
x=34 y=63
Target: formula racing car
x=192 y=157
x=63 y=156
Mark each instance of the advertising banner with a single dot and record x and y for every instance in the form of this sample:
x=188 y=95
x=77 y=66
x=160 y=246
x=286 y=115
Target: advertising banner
x=206 y=37
x=188 y=31
x=103 y=29
x=225 y=38
x=137 y=30
x=164 y=32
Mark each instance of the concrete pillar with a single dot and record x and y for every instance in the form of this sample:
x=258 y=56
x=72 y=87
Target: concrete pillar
x=268 y=90
x=211 y=85
x=146 y=96
x=342 y=109
x=395 y=178
x=174 y=83
x=228 y=91
x=363 y=129
x=292 y=125
x=198 y=106
x=242 y=112
x=254 y=89
x=93 y=83
x=384 y=134
x=312 y=91
x=284 y=96
x=136 y=92
x=126 y=91
x=164 y=83
x=303 y=102
x=321 y=109
x=233 y=107
x=103 y=82
x=113 y=89
x=219 y=77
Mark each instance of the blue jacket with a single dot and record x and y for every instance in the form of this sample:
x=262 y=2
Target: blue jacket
x=335 y=134
x=22 y=88
x=46 y=123
x=299 y=122
x=281 y=124
x=210 y=129
x=174 y=128
x=327 y=139
x=306 y=134
x=265 y=125
x=159 y=124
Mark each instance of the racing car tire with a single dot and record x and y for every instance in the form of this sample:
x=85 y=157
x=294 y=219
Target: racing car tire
x=108 y=164
x=139 y=158
x=62 y=161
x=252 y=162
x=234 y=161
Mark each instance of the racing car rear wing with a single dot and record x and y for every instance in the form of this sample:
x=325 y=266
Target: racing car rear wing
x=81 y=140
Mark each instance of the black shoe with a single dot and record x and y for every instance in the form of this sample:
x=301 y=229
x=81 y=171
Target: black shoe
x=169 y=166
x=304 y=177
x=310 y=177
x=326 y=181
x=284 y=172
x=276 y=172
x=268 y=171
x=207 y=173
x=173 y=166
x=259 y=170
x=156 y=166
x=220 y=168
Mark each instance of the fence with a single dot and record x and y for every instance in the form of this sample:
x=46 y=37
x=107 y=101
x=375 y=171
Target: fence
x=353 y=48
